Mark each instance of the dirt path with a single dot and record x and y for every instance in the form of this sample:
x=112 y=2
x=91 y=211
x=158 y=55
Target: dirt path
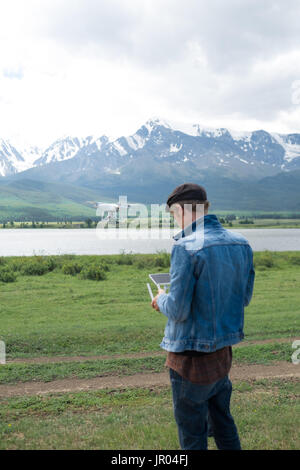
x=56 y=359
x=244 y=372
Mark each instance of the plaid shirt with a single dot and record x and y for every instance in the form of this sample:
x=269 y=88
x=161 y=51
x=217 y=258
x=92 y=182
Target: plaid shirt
x=201 y=368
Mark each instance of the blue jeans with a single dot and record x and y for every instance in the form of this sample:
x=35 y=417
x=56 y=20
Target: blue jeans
x=193 y=403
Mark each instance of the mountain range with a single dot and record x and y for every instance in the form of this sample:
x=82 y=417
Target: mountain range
x=255 y=170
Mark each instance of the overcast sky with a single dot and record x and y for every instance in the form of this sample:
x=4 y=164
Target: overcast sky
x=82 y=67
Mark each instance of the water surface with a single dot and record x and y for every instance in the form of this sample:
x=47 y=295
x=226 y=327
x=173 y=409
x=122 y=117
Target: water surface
x=19 y=242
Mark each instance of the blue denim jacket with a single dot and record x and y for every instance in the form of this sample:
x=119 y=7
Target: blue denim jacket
x=212 y=279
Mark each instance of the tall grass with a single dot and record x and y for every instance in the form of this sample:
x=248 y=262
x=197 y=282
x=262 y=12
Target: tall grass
x=13 y=267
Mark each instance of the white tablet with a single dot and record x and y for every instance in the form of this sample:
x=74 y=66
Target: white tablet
x=160 y=279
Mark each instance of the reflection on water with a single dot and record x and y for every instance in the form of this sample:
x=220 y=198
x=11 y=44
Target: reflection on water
x=18 y=242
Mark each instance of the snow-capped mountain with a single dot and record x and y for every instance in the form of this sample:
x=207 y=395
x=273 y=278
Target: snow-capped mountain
x=224 y=147
x=178 y=146
x=11 y=161
x=182 y=145
x=64 y=149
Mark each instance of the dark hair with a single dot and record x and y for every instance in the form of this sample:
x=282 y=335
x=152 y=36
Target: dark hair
x=194 y=204
x=188 y=193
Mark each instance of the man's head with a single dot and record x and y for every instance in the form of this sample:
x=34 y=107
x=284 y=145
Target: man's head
x=187 y=203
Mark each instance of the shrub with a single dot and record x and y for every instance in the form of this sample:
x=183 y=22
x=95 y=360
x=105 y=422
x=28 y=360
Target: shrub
x=71 y=269
x=16 y=264
x=124 y=259
x=64 y=258
x=93 y=272
x=162 y=260
x=143 y=261
x=294 y=259
x=105 y=267
x=6 y=275
x=266 y=259
x=51 y=263
x=2 y=261
x=246 y=221
x=34 y=268
x=262 y=268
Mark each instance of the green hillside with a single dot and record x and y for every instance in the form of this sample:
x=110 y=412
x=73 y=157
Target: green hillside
x=30 y=199
x=34 y=200
x=279 y=193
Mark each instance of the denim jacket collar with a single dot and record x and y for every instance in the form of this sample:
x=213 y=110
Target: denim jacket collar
x=209 y=220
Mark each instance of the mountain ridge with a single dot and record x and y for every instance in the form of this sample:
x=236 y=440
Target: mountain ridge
x=241 y=171
x=268 y=152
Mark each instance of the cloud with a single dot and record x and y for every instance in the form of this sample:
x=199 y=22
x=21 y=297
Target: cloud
x=231 y=33
x=13 y=73
x=89 y=66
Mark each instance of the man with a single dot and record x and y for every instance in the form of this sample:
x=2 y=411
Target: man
x=212 y=278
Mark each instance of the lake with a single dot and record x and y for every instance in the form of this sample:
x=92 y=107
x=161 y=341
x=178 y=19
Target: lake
x=27 y=242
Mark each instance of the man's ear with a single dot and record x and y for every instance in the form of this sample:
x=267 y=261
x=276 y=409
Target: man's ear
x=177 y=209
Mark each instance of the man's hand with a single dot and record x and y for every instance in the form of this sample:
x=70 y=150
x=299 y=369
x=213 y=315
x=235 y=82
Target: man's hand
x=154 y=301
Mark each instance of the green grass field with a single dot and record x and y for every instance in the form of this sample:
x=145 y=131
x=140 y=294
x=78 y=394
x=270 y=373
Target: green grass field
x=265 y=413
x=239 y=223
x=264 y=223
x=58 y=314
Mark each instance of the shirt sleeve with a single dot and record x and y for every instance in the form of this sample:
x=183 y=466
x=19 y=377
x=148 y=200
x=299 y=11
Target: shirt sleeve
x=250 y=283
x=176 y=305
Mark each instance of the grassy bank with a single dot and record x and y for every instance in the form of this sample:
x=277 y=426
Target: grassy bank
x=99 y=305
x=262 y=223
x=62 y=314
x=91 y=222
x=14 y=373
x=265 y=412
